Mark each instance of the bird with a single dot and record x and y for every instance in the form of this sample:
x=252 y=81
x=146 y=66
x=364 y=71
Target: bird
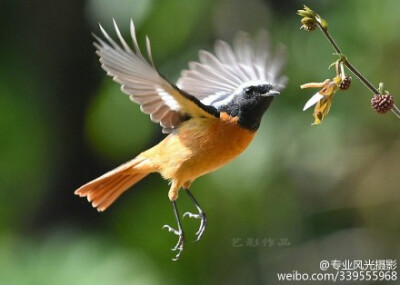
x=210 y=115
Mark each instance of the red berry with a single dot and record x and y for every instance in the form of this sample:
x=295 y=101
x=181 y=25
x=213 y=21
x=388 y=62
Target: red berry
x=346 y=83
x=382 y=103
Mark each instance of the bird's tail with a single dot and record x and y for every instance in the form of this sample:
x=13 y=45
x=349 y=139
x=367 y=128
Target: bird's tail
x=103 y=191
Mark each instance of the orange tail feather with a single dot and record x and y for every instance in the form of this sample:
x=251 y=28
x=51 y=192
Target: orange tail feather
x=103 y=191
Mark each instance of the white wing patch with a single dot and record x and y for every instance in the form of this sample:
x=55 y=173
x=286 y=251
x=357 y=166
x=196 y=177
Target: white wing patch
x=216 y=79
x=219 y=99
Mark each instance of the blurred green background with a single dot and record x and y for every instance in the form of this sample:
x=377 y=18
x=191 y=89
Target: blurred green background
x=299 y=194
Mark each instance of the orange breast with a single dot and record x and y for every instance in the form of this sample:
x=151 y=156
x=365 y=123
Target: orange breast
x=199 y=146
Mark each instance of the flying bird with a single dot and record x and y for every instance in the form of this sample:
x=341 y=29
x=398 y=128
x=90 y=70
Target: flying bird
x=210 y=115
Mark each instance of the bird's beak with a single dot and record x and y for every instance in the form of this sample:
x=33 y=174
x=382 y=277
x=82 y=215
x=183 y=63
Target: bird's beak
x=272 y=93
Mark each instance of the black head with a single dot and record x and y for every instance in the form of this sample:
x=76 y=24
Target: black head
x=250 y=103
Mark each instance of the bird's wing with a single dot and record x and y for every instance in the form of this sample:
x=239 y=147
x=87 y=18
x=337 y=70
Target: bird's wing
x=216 y=77
x=165 y=103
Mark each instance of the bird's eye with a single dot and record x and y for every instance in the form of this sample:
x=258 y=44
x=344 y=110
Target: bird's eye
x=249 y=90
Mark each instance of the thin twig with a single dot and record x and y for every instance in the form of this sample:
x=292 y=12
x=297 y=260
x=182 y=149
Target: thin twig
x=396 y=111
x=330 y=39
x=362 y=78
x=354 y=70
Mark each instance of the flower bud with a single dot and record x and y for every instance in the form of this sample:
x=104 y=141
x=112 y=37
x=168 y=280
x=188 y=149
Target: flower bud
x=306 y=12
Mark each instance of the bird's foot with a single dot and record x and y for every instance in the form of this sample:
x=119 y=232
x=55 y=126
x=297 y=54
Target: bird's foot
x=203 y=223
x=181 y=241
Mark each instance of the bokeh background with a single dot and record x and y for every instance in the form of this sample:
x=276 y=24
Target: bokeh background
x=298 y=195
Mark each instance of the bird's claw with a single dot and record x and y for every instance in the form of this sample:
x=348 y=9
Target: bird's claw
x=191 y=215
x=181 y=241
x=179 y=247
x=170 y=229
x=179 y=232
x=203 y=223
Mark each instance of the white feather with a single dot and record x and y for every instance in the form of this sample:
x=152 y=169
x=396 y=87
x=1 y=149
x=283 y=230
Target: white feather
x=313 y=100
x=138 y=77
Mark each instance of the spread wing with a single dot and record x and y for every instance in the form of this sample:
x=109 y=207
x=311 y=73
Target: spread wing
x=162 y=100
x=215 y=78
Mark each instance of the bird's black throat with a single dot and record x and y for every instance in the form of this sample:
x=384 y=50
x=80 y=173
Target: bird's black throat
x=250 y=112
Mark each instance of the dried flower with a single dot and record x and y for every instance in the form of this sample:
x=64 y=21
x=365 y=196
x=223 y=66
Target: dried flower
x=308 y=24
x=323 y=99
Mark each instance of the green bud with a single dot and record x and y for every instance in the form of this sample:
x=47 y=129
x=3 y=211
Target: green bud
x=311 y=20
x=306 y=12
